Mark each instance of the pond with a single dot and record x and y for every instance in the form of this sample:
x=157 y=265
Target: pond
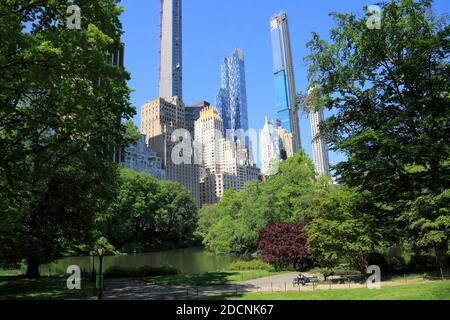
x=188 y=261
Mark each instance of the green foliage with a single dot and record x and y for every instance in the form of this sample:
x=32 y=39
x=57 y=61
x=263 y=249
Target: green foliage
x=233 y=225
x=428 y=220
x=132 y=132
x=390 y=87
x=60 y=105
x=147 y=214
x=109 y=248
x=427 y=291
x=343 y=228
x=249 y=265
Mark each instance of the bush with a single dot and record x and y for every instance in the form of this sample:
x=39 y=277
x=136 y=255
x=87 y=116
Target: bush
x=396 y=264
x=421 y=262
x=249 y=265
x=145 y=271
x=133 y=247
x=284 y=245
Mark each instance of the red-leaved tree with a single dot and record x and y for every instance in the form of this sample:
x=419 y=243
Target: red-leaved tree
x=284 y=244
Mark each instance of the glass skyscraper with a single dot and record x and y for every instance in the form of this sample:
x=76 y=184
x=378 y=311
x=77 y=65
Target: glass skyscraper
x=285 y=95
x=231 y=99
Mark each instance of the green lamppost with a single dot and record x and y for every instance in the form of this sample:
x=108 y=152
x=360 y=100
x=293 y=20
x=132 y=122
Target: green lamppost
x=92 y=253
x=99 y=283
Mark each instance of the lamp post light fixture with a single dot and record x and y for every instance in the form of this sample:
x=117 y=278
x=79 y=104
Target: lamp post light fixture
x=99 y=283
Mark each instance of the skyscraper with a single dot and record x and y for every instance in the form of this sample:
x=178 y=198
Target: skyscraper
x=159 y=121
x=171 y=67
x=275 y=146
x=270 y=147
x=319 y=146
x=283 y=70
x=232 y=97
x=226 y=164
x=193 y=114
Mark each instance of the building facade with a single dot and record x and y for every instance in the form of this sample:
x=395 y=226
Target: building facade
x=319 y=146
x=193 y=114
x=275 y=146
x=283 y=70
x=287 y=149
x=226 y=164
x=270 y=147
x=141 y=158
x=171 y=66
x=160 y=120
x=231 y=98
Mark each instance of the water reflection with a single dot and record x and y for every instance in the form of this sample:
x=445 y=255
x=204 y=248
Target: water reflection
x=190 y=261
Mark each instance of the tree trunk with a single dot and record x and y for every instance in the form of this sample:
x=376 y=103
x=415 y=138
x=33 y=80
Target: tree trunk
x=440 y=251
x=32 y=268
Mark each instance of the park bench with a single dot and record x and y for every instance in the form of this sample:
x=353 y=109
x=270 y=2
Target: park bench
x=346 y=277
x=304 y=281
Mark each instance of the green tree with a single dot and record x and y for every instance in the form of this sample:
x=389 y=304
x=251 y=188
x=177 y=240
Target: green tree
x=343 y=228
x=132 y=212
x=131 y=131
x=390 y=87
x=176 y=218
x=147 y=214
x=61 y=101
x=243 y=214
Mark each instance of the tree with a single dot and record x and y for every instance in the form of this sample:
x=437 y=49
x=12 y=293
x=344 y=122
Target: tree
x=284 y=244
x=61 y=101
x=343 y=228
x=295 y=179
x=428 y=221
x=132 y=131
x=284 y=197
x=132 y=212
x=176 y=218
x=390 y=89
x=147 y=214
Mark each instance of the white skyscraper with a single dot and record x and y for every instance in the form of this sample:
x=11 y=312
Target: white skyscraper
x=319 y=146
x=270 y=147
x=226 y=164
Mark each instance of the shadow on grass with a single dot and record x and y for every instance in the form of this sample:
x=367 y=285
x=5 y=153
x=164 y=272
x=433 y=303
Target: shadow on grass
x=429 y=274
x=204 y=279
x=14 y=288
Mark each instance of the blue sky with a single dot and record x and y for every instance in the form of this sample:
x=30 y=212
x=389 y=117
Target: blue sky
x=211 y=30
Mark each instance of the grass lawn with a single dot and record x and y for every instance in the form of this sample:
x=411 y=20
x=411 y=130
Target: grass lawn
x=209 y=278
x=14 y=288
x=438 y=290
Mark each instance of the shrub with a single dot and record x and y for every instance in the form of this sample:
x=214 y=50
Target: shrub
x=420 y=262
x=145 y=271
x=284 y=245
x=249 y=265
x=133 y=247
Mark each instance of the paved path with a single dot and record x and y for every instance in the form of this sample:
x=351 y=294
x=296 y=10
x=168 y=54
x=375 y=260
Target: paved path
x=276 y=280
x=133 y=289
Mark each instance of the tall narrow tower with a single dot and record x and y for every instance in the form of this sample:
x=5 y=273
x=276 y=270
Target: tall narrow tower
x=171 y=67
x=283 y=71
x=319 y=146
